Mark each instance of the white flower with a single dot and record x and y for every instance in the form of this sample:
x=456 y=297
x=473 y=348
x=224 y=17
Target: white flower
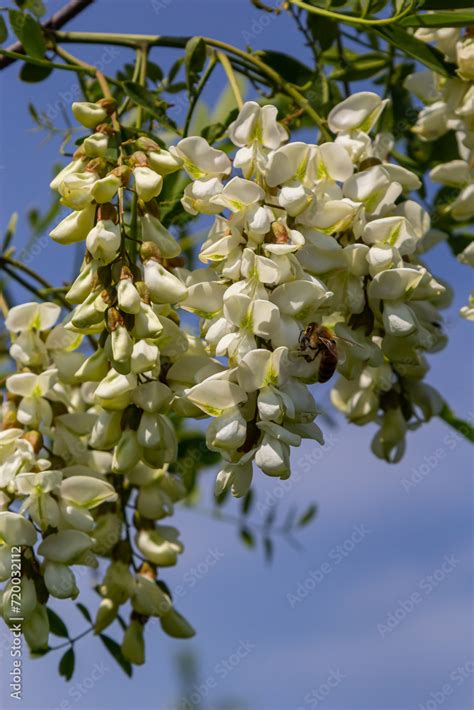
x=257 y=124
x=76 y=189
x=66 y=547
x=216 y=394
x=465 y=58
x=103 y=241
x=89 y=114
x=148 y=183
x=200 y=160
x=95 y=146
x=29 y=316
x=358 y=112
x=75 y=227
x=105 y=189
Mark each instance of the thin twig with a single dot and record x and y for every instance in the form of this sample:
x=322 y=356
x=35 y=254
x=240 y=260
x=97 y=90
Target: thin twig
x=231 y=78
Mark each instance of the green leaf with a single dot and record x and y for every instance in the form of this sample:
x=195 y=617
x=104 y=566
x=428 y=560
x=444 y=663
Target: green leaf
x=247 y=537
x=288 y=67
x=17 y=21
x=247 y=502
x=32 y=73
x=84 y=611
x=67 y=663
x=3 y=30
x=56 y=624
x=154 y=72
x=116 y=652
x=307 y=516
x=424 y=53
x=323 y=30
x=440 y=19
x=35 y=6
x=10 y=231
x=194 y=60
x=268 y=549
x=29 y=33
x=463 y=427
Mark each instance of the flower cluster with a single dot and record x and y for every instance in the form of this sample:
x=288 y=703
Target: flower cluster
x=89 y=433
x=313 y=249
x=450 y=107
x=311 y=264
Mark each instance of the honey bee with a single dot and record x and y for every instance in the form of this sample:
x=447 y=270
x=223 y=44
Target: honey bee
x=316 y=339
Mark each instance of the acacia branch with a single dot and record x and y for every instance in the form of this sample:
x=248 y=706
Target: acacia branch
x=58 y=20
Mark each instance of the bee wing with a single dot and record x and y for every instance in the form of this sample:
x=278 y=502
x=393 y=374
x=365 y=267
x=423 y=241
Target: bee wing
x=349 y=342
x=330 y=345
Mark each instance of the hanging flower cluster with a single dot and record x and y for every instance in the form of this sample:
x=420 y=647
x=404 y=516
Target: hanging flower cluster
x=310 y=265
x=313 y=249
x=450 y=107
x=87 y=434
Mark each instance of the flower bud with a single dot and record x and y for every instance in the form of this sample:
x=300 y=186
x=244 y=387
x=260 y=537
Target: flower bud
x=103 y=241
x=152 y=396
x=133 y=644
x=106 y=614
x=154 y=231
x=163 y=286
x=36 y=629
x=95 y=146
x=94 y=368
x=75 y=227
x=88 y=114
x=127 y=295
x=148 y=598
x=118 y=584
x=60 y=581
x=176 y=625
x=148 y=184
x=122 y=344
x=127 y=453
x=106 y=431
x=147 y=324
x=65 y=547
x=107 y=533
x=15 y=529
x=160 y=545
x=106 y=188
x=145 y=356
x=163 y=161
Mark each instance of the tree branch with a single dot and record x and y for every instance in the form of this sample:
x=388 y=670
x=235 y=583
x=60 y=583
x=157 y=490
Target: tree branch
x=58 y=20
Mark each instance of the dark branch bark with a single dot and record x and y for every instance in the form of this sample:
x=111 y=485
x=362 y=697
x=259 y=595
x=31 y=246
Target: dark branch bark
x=58 y=20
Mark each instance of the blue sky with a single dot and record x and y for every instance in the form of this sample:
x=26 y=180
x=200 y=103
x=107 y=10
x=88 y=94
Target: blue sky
x=375 y=613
